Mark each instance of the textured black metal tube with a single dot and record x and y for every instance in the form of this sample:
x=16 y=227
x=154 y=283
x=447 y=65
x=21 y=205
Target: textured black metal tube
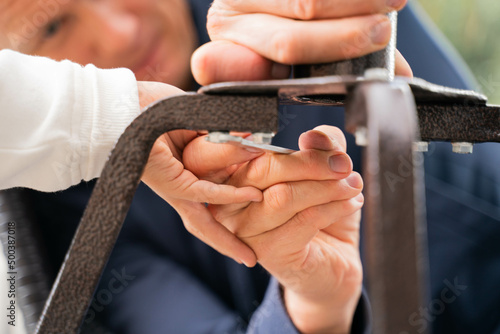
x=103 y=218
x=394 y=232
x=459 y=123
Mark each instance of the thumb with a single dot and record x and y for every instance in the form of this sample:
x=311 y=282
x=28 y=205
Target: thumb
x=220 y=61
x=200 y=223
x=150 y=91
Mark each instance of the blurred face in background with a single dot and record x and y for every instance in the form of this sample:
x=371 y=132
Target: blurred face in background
x=153 y=38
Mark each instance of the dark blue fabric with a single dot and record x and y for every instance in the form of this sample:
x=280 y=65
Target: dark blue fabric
x=176 y=284
x=463 y=209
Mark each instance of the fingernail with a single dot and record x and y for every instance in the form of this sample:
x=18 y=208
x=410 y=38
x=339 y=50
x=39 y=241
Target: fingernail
x=253 y=149
x=360 y=198
x=257 y=197
x=381 y=32
x=395 y=4
x=280 y=71
x=340 y=163
x=246 y=264
x=321 y=141
x=354 y=180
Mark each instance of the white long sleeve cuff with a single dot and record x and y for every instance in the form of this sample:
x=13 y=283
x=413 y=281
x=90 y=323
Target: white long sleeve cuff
x=58 y=120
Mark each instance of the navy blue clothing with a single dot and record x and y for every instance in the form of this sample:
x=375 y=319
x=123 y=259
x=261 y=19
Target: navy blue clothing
x=177 y=284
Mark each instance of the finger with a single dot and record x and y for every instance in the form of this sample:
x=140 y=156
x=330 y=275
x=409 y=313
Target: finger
x=310 y=9
x=347 y=228
x=216 y=62
x=215 y=162
x=289 y=41
x=207 y=192
x=200 y=223
x=150 y=91
x=176 y=141
x=295 y=234
x=168 y=178
x=402 y=66
x=323 y=137
x=282 y=201
x=187 y=186
x=271 y=169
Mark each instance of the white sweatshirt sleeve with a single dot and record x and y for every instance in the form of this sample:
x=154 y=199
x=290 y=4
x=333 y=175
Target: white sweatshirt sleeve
x=58 y=120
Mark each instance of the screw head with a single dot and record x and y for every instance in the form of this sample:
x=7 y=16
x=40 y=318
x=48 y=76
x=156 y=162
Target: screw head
x=421 y=146
x=361 y=136
x=262 y=137
x=462 y=147
x=217 y=137
x=379 y=74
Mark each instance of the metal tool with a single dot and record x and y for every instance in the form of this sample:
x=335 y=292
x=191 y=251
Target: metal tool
x=223 y=137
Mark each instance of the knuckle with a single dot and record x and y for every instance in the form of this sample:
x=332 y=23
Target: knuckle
x=215 y=22
x=348 y=207
x=353 y=274
x=355 y=43
x=309 y=216
x=356 y=273
x=284 y=47
x=313 y=159
x=279 y=196
x=259 y=169
x=357 y=40
x=305 y=9
x=209 y=194
x=334 y=190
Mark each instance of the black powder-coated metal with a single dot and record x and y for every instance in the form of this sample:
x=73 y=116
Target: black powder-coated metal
x=459 y=123
x=103 y=218
x=395 y=236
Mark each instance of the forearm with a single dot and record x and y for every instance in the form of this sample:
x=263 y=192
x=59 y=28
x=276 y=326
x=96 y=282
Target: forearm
x=59 y=121
x=272 y=316
x=328 y=315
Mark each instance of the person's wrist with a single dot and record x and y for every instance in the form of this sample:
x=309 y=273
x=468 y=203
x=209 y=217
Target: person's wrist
x=150 y=91
x=322 y=314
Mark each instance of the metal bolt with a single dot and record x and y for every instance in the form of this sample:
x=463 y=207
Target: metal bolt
x=379 y=74
x=361 y=136
x=421 y=146
x=218 y=137
x=462 y=148
x=262 y=137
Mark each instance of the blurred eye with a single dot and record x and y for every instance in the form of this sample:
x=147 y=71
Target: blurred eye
x=53 y=28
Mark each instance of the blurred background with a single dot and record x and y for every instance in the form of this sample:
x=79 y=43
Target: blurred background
x=473 y=27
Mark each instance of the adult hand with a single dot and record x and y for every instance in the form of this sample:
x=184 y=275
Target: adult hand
x=251 y=40
x=166 y=175
x=306 y=230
